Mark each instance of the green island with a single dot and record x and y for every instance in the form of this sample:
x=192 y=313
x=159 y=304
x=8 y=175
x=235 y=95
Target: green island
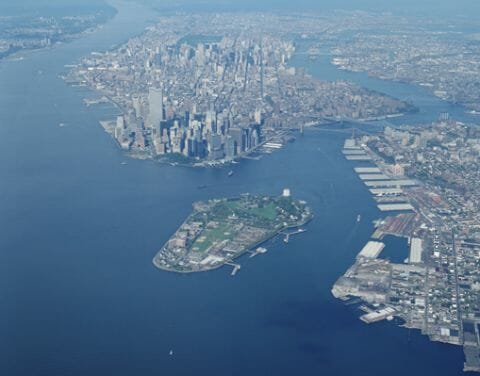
x=220 y=230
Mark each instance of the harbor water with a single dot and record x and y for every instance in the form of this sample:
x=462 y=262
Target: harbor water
x=78 y=290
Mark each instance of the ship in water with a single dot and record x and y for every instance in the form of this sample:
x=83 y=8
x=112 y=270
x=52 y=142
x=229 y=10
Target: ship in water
x=230 y=173
x=359 y=218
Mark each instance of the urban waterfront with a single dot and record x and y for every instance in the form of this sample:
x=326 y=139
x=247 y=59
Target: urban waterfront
x=429 y=106
x=81 y=228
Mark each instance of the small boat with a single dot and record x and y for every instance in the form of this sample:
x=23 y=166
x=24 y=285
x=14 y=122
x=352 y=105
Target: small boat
x=123 y=163
x=359 y=217
x=171 y=352
x=203 y=186
x=230 y=173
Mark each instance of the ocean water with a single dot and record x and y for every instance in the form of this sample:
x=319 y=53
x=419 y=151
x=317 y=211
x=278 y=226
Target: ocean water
x=80 y=296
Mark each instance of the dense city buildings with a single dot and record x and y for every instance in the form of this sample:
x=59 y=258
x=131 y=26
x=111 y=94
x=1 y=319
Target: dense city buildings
x=447 y=63
x=212 y=88
x=397 y=209
x=437 y=288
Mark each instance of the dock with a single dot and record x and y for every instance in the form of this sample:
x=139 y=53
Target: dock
x=350 y=143
x=379 y=315
x=373 y=177
x=395 y=207
x=371 y=250
x=353 y=152
x=367 y=170
x=378 y=235
x=258 y=251
x=358 y=157
x=272 y=145
x=288 y=234
x=386 y=191
x=391 y=183
x=236 y=267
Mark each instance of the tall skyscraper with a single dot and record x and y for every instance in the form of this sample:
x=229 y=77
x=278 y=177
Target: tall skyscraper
x=137 y=106
x=155 y=108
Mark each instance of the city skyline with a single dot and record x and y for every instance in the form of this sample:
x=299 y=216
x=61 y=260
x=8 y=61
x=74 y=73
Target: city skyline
x=239 y=188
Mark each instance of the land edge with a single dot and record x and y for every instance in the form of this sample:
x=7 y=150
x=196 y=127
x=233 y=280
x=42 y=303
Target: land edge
x=231 y=258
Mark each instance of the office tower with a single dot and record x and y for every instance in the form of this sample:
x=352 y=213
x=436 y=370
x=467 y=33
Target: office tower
x=229 y=148
x=236 y=134
x=215 y=147
x=155 y=108
x=137 y=106
x=258 y=116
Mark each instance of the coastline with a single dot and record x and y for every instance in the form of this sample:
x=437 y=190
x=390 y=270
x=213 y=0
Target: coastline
x=21 y=53
x=235 y=257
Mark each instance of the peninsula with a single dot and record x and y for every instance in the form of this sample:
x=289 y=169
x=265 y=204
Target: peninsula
x=209 y=89
x=221 y=230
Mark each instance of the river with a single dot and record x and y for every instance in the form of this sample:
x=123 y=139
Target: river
x=429 y=106
x=79 y=293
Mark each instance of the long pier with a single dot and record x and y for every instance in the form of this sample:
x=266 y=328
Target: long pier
x=288 y=234
x=236 y=267
x=258 y=251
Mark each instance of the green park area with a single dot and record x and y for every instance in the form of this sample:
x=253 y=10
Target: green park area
x=212 y=235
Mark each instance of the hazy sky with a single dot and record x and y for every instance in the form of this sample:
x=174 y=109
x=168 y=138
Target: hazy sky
x=435 y=7
x=467 y=7
x=48 y=6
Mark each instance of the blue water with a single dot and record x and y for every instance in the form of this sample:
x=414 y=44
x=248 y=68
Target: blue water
x=396 y=249
x=80 y=296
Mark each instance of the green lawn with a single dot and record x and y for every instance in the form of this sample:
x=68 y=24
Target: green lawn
x=268 y=211
x=265 y=216
x=212 y=235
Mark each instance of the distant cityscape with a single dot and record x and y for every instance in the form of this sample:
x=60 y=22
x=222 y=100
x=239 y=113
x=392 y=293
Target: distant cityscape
x=212 y=88
x=447 y=63
x=20 y=32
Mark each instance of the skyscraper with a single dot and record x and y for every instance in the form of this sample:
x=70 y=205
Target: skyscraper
x=155 y=108
x=137 y=106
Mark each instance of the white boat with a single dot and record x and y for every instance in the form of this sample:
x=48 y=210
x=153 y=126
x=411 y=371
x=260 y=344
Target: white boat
x=359 y=217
